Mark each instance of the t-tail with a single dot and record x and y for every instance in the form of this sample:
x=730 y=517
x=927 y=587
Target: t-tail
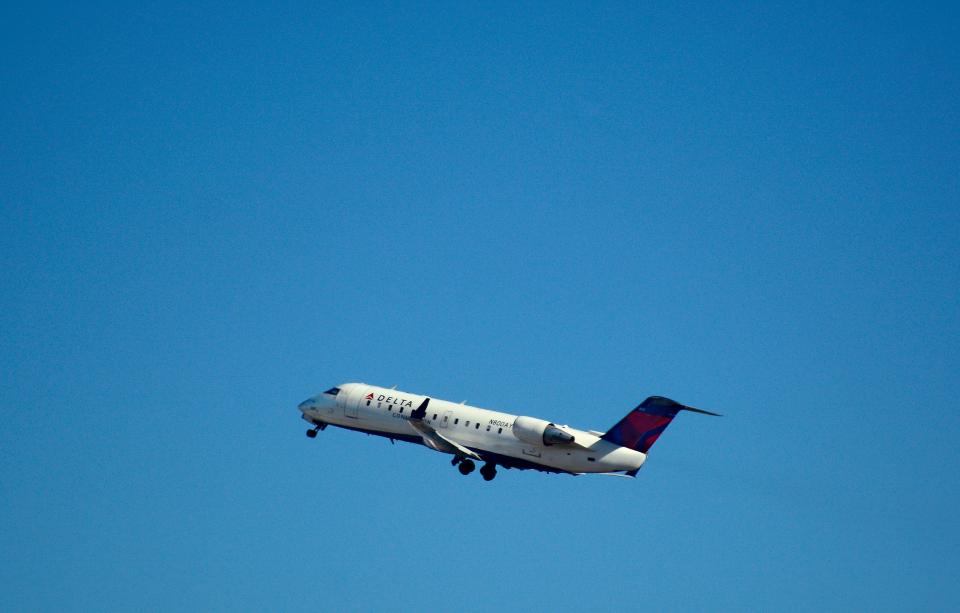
x=642 y=426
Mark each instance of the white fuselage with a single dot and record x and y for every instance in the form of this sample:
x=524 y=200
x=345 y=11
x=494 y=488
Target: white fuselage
x=386 y=412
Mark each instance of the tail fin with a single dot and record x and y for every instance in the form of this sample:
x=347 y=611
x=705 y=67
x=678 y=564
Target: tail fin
x=641 y=427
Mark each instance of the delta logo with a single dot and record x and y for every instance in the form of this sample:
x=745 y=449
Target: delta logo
x=391 y=400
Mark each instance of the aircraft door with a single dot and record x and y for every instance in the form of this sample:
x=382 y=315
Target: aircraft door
x=445 y=420
x=353 y=401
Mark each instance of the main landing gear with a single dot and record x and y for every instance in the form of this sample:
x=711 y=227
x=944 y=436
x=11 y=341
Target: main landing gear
x=488 y=471
x=466 y=467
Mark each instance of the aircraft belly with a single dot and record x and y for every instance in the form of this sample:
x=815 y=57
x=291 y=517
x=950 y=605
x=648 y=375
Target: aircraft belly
x=366 y=422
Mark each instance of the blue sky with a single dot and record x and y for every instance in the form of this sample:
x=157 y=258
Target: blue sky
x=213 y=211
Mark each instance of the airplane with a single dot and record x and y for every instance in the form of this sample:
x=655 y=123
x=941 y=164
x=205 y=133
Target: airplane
x=471 y=434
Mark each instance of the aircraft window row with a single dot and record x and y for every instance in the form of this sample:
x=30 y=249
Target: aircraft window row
x=466 y=424
x=456 y=421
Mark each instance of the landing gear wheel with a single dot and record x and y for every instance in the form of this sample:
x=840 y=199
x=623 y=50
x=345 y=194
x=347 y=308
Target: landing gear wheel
x=488 y=471
x=312 y=433
x=466 y=467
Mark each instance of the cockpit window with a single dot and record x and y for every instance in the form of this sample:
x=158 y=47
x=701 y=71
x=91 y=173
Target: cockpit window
x=333 y=391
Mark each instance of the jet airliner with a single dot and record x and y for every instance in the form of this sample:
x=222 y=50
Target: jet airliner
x=471 y=434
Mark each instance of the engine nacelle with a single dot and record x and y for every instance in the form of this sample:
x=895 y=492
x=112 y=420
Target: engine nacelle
x=539 y=432
x=555 y=436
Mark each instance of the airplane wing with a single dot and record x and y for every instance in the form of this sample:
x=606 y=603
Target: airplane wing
x=435 y=440
x=626 y=475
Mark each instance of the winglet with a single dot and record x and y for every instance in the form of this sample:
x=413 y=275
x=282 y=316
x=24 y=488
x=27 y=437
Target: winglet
x=421 y=411
x=435 y=440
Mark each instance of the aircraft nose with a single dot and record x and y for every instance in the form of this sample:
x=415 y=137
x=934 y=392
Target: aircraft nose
x=306 y=405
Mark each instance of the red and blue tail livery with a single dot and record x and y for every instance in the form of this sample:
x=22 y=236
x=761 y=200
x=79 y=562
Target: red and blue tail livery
x=642 y=426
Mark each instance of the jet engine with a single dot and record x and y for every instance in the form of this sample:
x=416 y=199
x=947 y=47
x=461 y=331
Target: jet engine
x=537 y=431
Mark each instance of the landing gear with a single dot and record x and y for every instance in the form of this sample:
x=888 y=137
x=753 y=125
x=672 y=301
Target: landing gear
x=488 y=471
x=466 y=467
x=312 y=432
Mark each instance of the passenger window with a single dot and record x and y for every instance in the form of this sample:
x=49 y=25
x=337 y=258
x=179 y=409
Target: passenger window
x=488 y=428
x=368 y=403
x=499 y=430
x=401 y=409
x=591 y=459
x=434 y=417
x=456 y=421
x=389 y=407
x=466 y=425
x=478 y=425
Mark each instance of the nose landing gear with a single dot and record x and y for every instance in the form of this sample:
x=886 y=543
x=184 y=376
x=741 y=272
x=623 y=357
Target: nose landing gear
x=312 y=432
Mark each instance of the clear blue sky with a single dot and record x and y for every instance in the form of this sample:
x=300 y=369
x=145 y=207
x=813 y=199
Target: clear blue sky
x=210 y=212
